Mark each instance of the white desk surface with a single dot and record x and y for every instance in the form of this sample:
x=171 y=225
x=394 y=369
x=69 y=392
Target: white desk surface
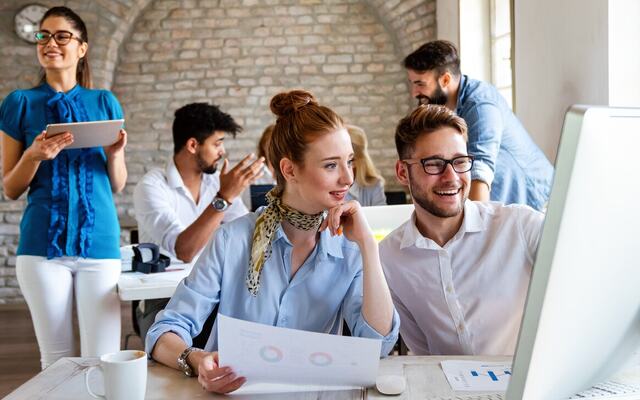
x=139 y=286
x=65 y=380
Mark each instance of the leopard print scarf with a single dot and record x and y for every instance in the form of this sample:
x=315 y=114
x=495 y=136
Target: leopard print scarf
x=266 y=226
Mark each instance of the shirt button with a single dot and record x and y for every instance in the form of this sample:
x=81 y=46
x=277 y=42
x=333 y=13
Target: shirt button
x=449 y=289
x=283 y=320
x=461 y=327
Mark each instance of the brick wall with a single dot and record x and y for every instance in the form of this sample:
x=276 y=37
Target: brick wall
x=159 y=55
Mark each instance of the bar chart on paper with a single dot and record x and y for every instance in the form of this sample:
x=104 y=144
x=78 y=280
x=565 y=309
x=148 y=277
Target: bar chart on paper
x=477 y=375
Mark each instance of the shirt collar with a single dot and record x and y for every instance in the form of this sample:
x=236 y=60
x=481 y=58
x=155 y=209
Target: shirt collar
x=462 y=93
x=72 y=92
x=327 y=245
x=471 y=222
x=173 y=176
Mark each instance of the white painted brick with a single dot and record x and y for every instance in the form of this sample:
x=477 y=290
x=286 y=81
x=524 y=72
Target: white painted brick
x=238 y=54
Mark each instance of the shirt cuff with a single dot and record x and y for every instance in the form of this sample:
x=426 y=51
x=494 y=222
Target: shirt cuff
x=482 y=172
x=388 y=341
x=158 y=330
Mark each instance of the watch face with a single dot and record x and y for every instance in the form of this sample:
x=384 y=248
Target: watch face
x=27 y=21
x=219 y=204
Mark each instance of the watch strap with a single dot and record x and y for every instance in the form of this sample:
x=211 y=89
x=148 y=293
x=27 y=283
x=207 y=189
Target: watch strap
x=220 y=196
x=182 y=361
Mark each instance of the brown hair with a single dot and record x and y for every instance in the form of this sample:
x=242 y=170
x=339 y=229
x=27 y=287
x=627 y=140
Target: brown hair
x=300 y=120
x=366 y=173
x=83 y=71
x=422 y=120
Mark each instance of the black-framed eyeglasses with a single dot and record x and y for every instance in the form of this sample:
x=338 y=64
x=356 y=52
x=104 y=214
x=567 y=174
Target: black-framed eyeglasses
x=437 y=165
x=61 y=37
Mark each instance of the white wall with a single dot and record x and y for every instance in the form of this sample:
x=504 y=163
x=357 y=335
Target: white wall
x=475 y=39
x=561 y=58
x=448 y=21
x=624 y=53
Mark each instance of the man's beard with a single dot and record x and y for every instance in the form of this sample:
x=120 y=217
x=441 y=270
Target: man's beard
x=439 y=97
x=206 y=168
x=430 y=206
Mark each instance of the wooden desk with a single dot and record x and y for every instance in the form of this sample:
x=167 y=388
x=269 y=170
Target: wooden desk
x=65 y=380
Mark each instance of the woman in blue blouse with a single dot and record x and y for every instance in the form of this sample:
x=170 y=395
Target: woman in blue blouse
x=69 y=234
x=306 y=261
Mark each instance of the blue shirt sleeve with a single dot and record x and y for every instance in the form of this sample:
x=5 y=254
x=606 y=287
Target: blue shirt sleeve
x=352 y=311
x=12 y=112
x=110 y=103
x=194 y=298
x=485 y=124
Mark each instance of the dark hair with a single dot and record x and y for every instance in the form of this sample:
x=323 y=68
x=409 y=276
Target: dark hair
x=425 y=119
x=83 y=71
x=300 y=120
x=439 y=55
x=199 y=121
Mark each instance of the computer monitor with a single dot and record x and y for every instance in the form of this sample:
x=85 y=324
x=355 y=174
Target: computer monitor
x=258 y=194
x=582 y=315
x=384 y=219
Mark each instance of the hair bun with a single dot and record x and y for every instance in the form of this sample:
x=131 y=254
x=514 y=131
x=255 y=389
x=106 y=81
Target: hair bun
x=290 y=102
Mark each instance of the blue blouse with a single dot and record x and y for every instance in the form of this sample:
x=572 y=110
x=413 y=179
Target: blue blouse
x=70 y=209
x=326 y=288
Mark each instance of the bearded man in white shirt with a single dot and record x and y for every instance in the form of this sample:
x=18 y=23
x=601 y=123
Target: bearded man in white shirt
x=458 y=270
x=180 y=206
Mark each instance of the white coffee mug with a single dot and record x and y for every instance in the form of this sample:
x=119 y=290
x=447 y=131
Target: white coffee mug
x=125 y=375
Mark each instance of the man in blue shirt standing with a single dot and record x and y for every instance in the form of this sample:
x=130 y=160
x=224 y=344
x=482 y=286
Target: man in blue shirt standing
x=509 y=167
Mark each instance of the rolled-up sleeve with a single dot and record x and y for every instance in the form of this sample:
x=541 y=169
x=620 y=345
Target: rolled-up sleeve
x=156 y=214
x=194 y=298
x=485 y=127
x=359 y=327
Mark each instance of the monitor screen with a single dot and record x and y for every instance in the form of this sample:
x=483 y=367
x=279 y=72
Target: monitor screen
x=258 y=195
x=582 y=316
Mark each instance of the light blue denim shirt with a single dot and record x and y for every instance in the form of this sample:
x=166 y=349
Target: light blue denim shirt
x=326 y=289
x=506 y=158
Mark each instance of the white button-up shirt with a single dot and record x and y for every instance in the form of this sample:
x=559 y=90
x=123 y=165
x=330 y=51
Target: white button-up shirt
x=468 y=296
x=165 y=208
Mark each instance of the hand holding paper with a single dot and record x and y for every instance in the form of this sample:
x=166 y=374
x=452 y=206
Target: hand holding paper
x=273 y=358
x=214 y=378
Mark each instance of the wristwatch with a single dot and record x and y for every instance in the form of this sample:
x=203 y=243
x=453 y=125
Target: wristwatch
x=219 y=203
x=182 y=361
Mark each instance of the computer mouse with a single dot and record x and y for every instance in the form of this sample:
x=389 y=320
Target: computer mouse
x=391 y=384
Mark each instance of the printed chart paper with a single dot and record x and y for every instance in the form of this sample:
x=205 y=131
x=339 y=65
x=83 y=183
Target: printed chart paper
x=267 y=354
x=477 y=376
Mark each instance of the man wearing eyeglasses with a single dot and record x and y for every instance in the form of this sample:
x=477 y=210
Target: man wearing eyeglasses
x=509 y=167
x=458 y=269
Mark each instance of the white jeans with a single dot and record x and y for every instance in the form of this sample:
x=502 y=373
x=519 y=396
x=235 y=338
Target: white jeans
x=48 y=286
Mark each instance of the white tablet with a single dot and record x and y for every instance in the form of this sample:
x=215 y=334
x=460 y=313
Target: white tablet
x=89 y=134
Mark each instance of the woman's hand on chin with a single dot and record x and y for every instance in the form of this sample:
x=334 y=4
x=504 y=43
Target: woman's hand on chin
x=349 y=219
